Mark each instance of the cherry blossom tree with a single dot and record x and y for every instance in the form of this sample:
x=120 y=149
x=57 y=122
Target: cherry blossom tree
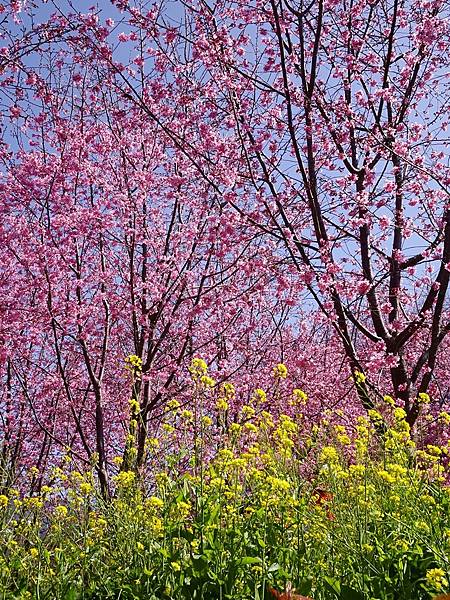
x=114 y=245
x=323 y=124
x=347 y=139
x=183 y=178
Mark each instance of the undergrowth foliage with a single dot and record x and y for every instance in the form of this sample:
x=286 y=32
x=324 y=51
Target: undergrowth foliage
x=235 y=506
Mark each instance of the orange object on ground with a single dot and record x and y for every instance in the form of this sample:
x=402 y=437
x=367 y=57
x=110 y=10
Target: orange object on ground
x=323 y=498
x=287 y=595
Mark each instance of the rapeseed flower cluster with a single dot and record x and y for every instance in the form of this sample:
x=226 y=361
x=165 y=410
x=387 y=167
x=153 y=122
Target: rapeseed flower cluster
x=198 y=368
x=133 y=363
x=233 y=506
x=280 y=371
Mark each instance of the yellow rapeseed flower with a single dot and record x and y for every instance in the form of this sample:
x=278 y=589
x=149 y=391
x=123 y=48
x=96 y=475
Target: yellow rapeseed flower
x=267 y=420
x=299 y=396
x=235 y=428
x=207 y=381
x=357 y=470
x=124 y=479
x=329 y=454
x=207 y=421
x=436 y=579
x=154 y=502
x=228 y=390
x=343 y=439
x=375 y=416
x=248 y=411
x=222 y=404
x=251 y=427
x=133 y=363
x=61 y=511
x=259 y=396
x=359 y=377
x=85 y=488
x=173 y=405
x=444 y=417
x=183 y=509
x=387 y=477
x=389 y=400
x=198 y=368
x=187 y=415
x=434 y=450
x=423 y=398
x=134 y=405
x=280 y=371
x=399 y=414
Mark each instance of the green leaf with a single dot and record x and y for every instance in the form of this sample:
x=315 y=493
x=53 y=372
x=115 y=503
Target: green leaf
x=186 y=535
x=212 y=515
x=304 y=587
x=348 y=593
x=249 y=560
x=333 y=584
